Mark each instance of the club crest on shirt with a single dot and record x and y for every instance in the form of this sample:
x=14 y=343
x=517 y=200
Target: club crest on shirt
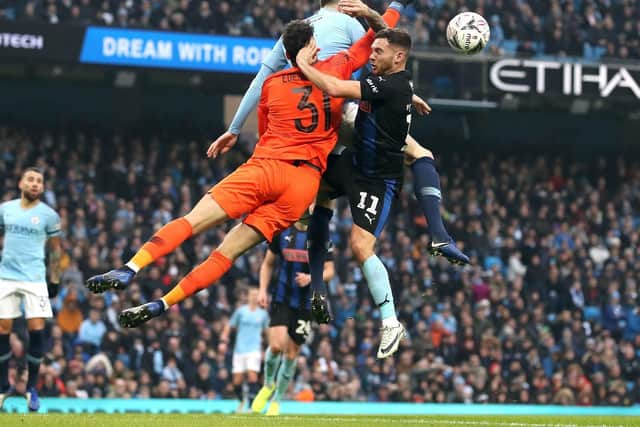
x=365 y=106
x=35 y=220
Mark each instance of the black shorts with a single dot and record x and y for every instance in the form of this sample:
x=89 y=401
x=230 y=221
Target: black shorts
x=371 y=199
x=298 y=322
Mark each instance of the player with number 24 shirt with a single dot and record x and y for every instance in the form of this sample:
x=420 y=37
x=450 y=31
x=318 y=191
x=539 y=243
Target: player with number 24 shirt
x=290 y=311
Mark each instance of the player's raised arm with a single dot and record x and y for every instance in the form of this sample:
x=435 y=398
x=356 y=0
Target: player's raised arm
x=276 y=61
x=360 y=51
x=358 y=54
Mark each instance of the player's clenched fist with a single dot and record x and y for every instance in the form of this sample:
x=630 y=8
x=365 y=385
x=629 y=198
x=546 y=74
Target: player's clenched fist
x=263 y=299
x=222 y=144
x=420 y=105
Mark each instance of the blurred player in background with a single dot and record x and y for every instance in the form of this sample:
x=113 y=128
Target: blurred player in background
x=298 y=130
x=290 y=310
x=370 y=175
x=249 y=321
x=28 y=224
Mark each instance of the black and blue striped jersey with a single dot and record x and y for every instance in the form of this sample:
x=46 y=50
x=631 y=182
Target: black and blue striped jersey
x=291 y=247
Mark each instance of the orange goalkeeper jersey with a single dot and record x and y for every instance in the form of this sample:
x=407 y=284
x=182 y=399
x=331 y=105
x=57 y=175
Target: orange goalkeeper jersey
x=296 y=120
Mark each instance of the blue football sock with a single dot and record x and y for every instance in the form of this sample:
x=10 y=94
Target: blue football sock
x=5 y=356
x=34 y=356
x=317 y=244
x=379 y=286
x=426 y=185
x=271 y=363
x=285 y=375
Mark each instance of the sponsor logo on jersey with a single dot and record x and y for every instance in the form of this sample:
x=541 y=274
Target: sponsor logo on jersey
x=365 y=106
x=20 y=229
x=296 y=255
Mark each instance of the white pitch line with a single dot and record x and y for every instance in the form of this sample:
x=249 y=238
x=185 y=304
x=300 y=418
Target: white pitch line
x=436 y=421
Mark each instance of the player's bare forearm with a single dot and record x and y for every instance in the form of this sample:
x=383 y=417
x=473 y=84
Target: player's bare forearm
x=420 y=105
x=226 y=332
x=333 y=86
x=266 y=270
x=55 y=254
x=265 y=277
x=358 y=8
x=375 y=20
x=329 y=271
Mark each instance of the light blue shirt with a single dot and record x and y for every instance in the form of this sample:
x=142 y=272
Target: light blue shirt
x=25 y=234
x=333 y=31
x=91 y=332
x=249 y=326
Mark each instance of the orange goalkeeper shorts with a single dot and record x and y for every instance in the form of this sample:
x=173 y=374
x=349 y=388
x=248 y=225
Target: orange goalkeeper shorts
x=272 y=193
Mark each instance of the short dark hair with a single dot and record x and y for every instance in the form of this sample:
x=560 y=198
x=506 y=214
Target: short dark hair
x=323 y=3
x=296 y=35
x=32 y=169
x=396 y=37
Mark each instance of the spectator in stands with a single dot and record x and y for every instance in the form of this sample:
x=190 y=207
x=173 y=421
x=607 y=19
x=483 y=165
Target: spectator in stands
x=91 y=331
x=556 y=28
x=549 y=302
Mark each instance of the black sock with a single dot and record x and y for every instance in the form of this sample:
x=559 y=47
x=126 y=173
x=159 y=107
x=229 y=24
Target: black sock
x=5 y=356
x=426 y=185
x=34 y=356
x=253 y=391
x=318 y=241
x=237 y=388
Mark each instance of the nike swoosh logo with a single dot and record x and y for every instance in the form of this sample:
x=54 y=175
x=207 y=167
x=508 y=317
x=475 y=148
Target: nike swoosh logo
x=439 y=245
x=384 y=350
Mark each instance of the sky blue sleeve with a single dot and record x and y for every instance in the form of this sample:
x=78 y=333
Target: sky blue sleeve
x=275 y=61
x=53 y=224
x=235 y=319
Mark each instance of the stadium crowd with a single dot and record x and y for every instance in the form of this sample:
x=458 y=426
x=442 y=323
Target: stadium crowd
x=593 y=28
x=547 y=313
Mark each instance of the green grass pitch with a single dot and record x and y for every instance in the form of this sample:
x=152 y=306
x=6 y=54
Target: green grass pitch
x=197 y=420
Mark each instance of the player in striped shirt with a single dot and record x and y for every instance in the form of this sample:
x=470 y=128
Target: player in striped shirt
x=290 y=310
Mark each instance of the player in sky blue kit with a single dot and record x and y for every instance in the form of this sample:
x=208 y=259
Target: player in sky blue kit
x=335 y=32
x=290 y=310
x=249 y=321
x=27 y=225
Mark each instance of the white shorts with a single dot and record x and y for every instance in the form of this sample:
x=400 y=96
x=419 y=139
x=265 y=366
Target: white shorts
x=345 y=133
x=243 y=362
x=34 y=296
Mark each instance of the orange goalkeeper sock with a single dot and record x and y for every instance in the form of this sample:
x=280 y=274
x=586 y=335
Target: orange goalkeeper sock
x=165 y=241
x=210 y=271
